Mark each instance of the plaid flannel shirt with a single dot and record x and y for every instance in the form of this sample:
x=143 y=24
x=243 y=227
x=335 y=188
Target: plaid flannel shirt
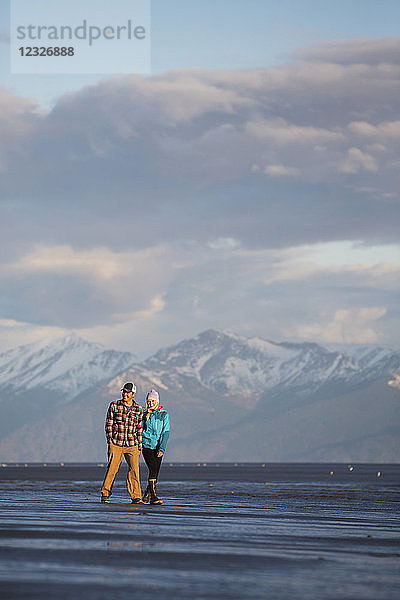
x=124 y=425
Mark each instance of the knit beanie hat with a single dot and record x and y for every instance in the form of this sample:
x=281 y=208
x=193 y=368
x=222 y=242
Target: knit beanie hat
x=153 y=395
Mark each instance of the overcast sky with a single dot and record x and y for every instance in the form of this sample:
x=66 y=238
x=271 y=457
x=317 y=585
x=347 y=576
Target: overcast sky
x=139 y=210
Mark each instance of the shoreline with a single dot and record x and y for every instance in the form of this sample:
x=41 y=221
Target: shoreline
x=366 y=473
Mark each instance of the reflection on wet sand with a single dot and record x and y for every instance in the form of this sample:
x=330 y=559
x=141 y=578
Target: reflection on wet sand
x=223 y=532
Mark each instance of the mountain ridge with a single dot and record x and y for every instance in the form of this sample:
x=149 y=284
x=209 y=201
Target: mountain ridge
x=249 y=361
x=230 y=398
x=68 y=364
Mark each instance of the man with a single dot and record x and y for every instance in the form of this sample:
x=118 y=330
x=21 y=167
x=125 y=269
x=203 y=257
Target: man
x=124 y=426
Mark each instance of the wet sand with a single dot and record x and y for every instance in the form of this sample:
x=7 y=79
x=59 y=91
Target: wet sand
x=246 y=531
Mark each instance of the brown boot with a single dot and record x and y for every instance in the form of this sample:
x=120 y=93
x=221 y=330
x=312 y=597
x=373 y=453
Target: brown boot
x=146 y=495
x=153 y=492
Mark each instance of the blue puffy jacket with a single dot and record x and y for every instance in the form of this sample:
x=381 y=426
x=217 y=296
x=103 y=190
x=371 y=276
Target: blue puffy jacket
x=156 y=429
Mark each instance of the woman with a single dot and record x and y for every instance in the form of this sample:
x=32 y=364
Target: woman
x=156 y=426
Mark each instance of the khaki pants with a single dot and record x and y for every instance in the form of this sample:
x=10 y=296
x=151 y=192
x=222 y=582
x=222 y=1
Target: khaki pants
x=115 y=454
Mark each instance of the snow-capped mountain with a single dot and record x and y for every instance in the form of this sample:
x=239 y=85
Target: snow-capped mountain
x=228 y=363
x=68 y=365
x=230 y=398
x=375 y=361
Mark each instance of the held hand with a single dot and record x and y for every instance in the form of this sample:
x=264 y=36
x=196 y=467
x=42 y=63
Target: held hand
x=159 y=454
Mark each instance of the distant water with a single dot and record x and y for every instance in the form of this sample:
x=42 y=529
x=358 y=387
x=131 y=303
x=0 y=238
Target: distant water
x=246 y=531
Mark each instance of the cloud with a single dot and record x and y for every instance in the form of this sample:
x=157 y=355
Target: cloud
x=18 y=121
x=157 y=305
x=166 y=151
x=156 y=207
x=357 y=160
x=281 y=171
x=141 y=302
x=355 y=326
x=5 y=323
x=223 y=244
x=284 y=293
x=281 y=132
x=61 y=286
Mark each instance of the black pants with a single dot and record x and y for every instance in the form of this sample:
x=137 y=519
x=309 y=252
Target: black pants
x=152 y=461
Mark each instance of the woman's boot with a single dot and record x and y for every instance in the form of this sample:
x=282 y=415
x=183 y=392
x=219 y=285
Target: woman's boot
x=153 y=492
x=146 y=495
